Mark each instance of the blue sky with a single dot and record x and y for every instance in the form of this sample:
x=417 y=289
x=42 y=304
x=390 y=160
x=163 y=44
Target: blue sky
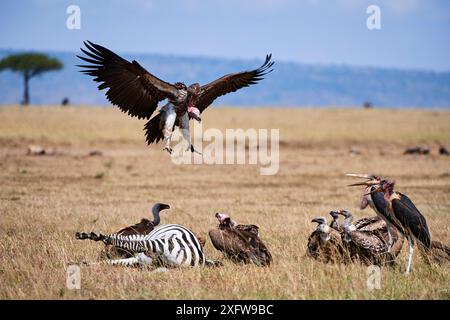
x=415 y=34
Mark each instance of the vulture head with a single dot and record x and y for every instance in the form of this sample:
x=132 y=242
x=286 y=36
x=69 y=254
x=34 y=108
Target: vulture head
x=334 y=224
x=156 y=209
x=239 y=243
x=348 y=225
x=322 y=228
x=224 y=221
x=193 y=95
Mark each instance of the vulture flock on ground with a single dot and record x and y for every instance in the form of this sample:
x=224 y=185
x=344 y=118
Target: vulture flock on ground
x=376 y=240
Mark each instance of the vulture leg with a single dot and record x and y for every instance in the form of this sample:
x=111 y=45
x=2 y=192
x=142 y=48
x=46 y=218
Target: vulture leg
x=169 y=123
x=411 y=251
x=184 y=128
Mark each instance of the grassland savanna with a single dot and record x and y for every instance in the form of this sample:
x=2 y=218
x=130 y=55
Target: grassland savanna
x=44 y=200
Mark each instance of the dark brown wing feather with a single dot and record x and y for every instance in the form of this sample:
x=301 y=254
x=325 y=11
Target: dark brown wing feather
x=411 y=218
x=231 y=83
x=132 y=88
x=153 y=130
x=144 y=227
x=241 y=245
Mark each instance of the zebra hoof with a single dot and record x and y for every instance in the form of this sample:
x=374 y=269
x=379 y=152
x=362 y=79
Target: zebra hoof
x=160 y=270
x=81 y=235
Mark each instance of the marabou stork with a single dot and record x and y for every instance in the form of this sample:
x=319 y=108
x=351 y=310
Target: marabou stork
x=137 y=92
x=403 y=211
x=375 y=199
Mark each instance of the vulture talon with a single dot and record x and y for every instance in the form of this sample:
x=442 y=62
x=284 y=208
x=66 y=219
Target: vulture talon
x=168 y=149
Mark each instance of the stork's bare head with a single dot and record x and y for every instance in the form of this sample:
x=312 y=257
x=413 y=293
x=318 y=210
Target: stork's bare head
x=385 y=186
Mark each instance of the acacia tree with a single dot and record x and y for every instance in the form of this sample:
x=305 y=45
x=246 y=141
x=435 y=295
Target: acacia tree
x=29 y=65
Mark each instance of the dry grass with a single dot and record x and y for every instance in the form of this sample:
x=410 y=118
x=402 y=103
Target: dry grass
x=44 y=200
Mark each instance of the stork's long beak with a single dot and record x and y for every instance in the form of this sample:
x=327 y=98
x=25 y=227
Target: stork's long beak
x=359 y=175
x=370 y=179
x=365 y=183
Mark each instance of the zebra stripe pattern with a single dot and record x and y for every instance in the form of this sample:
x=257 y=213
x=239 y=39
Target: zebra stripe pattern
x=174 y=245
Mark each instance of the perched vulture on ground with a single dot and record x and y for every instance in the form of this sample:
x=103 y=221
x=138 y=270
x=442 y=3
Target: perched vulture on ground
x=137 y=92
x=239 y=243
x=367 y=240
x=325 y=244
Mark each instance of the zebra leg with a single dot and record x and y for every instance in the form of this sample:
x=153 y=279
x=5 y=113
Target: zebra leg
x=411 y=251
x=123 y=262
x=134 y=243
x=90 y=236
x=145 y=260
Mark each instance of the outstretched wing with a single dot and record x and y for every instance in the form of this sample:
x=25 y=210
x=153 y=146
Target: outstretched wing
x=132 y=88
x=231 y=83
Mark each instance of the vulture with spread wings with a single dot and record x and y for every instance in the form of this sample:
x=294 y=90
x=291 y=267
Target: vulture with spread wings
x=137 y=92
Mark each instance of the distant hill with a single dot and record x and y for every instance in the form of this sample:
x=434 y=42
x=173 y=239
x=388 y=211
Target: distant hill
x=291 y=84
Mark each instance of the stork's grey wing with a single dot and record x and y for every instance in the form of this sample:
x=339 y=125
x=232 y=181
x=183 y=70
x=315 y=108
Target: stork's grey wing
x=231 y=83
x=132 y=88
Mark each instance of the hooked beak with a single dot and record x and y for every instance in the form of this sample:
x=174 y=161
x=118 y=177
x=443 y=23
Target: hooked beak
x=194 y=113
x=317 y=220
x=194 y=116
x=164 y=206
x=221 y=217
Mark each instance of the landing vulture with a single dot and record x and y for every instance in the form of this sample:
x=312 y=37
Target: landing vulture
x=137 y=92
